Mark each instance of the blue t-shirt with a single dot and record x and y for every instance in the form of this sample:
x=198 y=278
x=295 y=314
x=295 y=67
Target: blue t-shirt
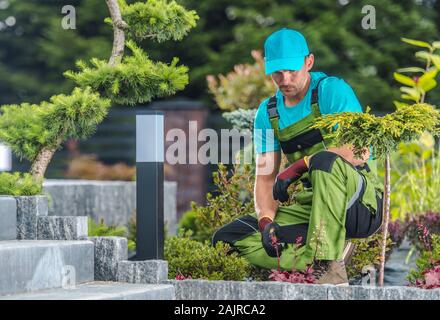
x=334 y=96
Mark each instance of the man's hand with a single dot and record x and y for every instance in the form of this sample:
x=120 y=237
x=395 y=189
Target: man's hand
x=269 y=239
x=287 y=177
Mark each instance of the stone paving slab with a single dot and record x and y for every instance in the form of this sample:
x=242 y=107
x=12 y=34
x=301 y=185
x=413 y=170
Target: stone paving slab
x=101 y=291
x=31 y=265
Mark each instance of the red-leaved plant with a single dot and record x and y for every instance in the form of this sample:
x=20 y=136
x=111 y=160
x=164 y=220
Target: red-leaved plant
x=431 y=278
x=180 y=276
x=427 y=275
x=294 y=276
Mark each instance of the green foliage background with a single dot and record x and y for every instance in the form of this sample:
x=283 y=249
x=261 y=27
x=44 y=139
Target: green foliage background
x=37 y=50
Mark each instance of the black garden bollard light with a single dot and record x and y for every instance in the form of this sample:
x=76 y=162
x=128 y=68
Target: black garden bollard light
x=149 y=185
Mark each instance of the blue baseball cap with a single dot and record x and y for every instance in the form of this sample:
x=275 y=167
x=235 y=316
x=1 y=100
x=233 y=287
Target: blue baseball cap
x=285 y=49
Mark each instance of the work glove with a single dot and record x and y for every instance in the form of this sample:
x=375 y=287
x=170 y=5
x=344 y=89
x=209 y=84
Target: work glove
x=269 y=239
x=287 y=177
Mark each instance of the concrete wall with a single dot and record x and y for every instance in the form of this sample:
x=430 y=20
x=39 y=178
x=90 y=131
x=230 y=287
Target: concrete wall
x=114 y=201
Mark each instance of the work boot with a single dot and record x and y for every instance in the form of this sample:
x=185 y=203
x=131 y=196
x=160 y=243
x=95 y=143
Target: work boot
x=330 y=272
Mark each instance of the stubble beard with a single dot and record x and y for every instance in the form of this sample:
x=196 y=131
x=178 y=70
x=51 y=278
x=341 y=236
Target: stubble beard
x=292 y=91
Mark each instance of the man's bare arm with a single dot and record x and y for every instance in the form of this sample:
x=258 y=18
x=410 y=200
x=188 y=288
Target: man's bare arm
x=268 y=165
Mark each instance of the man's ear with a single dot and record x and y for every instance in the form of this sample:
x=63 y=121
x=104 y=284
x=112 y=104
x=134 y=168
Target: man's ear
x=310 y=60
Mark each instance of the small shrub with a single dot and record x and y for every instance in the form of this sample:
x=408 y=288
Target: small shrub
x=427 y=274
x=367 y=253
x=100 y=229
x=294 y=276
x=18 y=184
x=190 y=258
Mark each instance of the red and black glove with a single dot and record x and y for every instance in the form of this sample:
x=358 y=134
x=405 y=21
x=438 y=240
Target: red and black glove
x=287 y=177
x=269 y=239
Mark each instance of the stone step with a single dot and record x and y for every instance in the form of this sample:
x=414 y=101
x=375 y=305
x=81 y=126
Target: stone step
x=31 y=265
x=8 y=218
x=28 y=211
x=101 y=291
x=61 y=228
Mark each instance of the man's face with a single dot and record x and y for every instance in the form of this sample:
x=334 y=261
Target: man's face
x=290 y=82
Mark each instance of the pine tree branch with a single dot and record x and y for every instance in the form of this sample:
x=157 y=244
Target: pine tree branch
x=118 y=31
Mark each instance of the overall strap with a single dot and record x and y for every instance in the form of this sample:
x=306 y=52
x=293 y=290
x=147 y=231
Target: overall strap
x=273 y=112
x=272 y=108
x=315 y=91
x=314 y=103
x=273 y=115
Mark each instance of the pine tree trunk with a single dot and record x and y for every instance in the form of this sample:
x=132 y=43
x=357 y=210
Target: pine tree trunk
x=386 y=219
x=41 y=163
x=118 y=32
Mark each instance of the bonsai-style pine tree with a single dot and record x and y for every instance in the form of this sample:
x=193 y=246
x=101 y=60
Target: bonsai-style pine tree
x=385 y=133
x=36 y=131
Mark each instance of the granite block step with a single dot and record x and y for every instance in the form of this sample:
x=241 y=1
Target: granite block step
x=8 y=218
x=31 y=265
x=62 y=228
x=101 y=291
x=28 y=211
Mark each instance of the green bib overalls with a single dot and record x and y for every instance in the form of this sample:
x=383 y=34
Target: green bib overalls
x=338 y=201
